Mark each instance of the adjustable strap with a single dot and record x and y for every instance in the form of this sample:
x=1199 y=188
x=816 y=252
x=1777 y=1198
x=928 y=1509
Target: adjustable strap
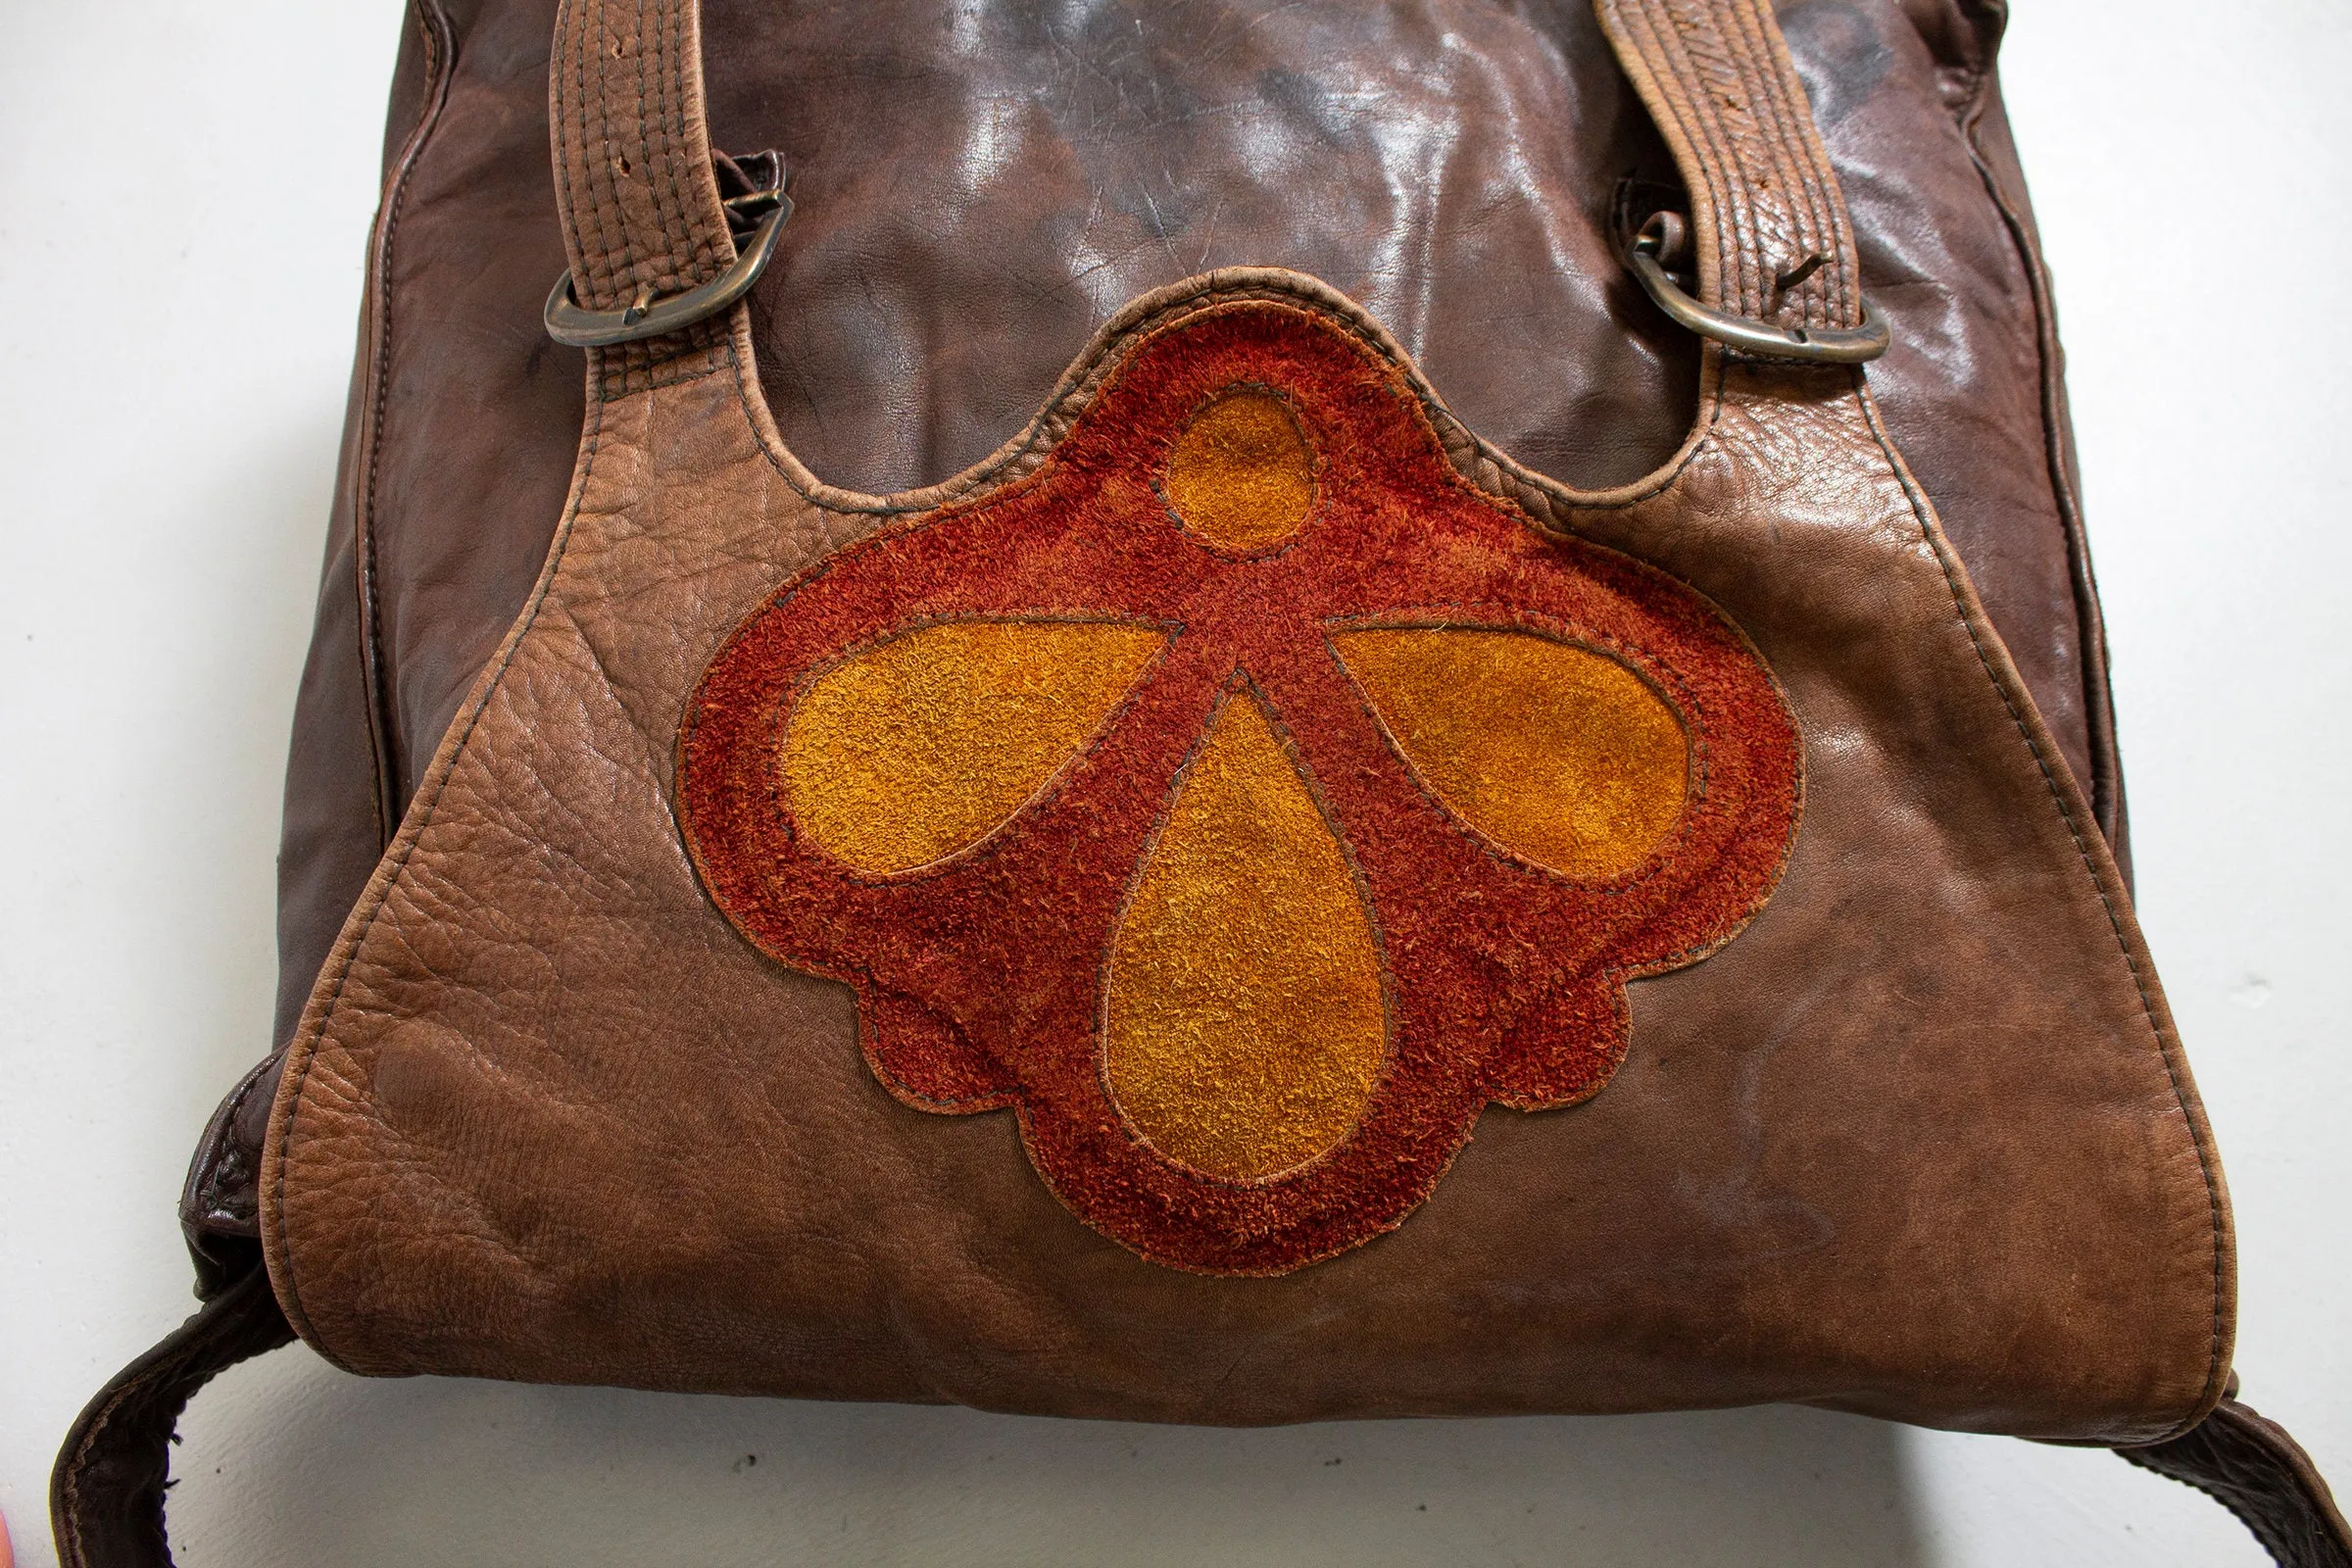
x=1769 y=227
x=640 y=202
x=106 y=1497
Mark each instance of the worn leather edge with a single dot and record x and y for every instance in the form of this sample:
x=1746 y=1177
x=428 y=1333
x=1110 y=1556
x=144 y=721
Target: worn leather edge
x=206 y=1210
x=2254 y=1467
x=2099 y=861
x=2106 y=783
x=106 y=1492
x=1076 y=387
x=327 y=991
x=439 y=41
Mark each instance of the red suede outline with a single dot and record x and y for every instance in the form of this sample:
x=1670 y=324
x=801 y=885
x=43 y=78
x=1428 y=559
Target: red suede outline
x=979 y=980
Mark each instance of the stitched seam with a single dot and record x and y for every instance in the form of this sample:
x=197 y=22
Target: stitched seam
x=596 y=153
x=1652 y=670
x=1046 y=794
x=1085 y=380
x=81 y=1454
x=424 y=817
x=2106 y=780
x=440 y=59
x=594 y=164
x=656 y=124
x=2074 y=830
x=1773 y=194
x=653 y=258
x=701 y=258
x=1670 y=76
x=1698 y=81
x=1808 y=203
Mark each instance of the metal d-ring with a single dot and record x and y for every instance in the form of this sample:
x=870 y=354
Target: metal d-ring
x=573 y=327
x=1813 y=345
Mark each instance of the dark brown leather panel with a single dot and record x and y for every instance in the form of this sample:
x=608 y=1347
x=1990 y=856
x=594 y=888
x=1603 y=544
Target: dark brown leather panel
x=332 y=830
x=977 y=196
x=343 y=795
x=1939 y=258
x=1998 y=151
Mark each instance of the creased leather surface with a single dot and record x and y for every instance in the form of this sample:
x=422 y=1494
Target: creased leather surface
x=106 y=1498
x=979 y=186
x=1959 y=1182
x=2251 y=1466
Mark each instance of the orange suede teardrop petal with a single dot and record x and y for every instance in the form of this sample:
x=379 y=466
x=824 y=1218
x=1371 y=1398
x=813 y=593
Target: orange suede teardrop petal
x=1243 y=1021
x=920 y=746
x=1561 y=756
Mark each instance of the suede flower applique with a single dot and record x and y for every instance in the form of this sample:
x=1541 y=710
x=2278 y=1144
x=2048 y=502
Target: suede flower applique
x=1242 y=796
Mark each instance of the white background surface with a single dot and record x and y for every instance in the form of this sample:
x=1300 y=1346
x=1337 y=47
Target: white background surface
x=185 y=191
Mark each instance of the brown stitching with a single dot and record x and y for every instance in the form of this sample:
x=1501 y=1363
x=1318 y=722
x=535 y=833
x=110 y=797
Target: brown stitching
x=650 y=255
x=1841 y=293
x=421 y=814
x=1781 y=140
x=1702 y=85
x=1205 y=292
x=587 y=164
x=1692 y=138
x=690 y=115
x=1698 y=73
x=2106 y=787
x=440 y=61
x=1922 y=512
x=1316 y=498
x=1788 y=194
x=641 y=261
x=656 y=124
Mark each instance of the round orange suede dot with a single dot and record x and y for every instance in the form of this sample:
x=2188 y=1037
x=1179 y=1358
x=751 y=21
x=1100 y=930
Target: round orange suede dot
x=1242 y=476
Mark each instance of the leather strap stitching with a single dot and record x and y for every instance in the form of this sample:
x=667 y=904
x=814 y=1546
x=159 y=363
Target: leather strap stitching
x=1717 y=77
x=640 y=204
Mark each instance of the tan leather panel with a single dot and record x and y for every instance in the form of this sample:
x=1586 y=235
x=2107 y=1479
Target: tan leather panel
x=1918 y=1143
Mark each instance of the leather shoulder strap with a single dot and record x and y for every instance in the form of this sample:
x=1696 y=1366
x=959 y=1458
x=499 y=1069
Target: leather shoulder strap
x=2254 y=1468
x=1768 y=222
x=643 y=217
x=640 y=204
x=106 y=1496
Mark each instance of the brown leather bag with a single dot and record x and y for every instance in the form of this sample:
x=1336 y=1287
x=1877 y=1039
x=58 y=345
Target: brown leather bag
x=1231 y=755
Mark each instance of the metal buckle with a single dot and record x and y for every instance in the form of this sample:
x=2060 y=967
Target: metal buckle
x=1661 y=240
x=646 y=316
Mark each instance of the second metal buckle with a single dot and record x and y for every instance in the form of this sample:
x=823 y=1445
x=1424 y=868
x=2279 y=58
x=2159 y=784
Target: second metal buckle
x=571 y=324
x=1661 y=239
